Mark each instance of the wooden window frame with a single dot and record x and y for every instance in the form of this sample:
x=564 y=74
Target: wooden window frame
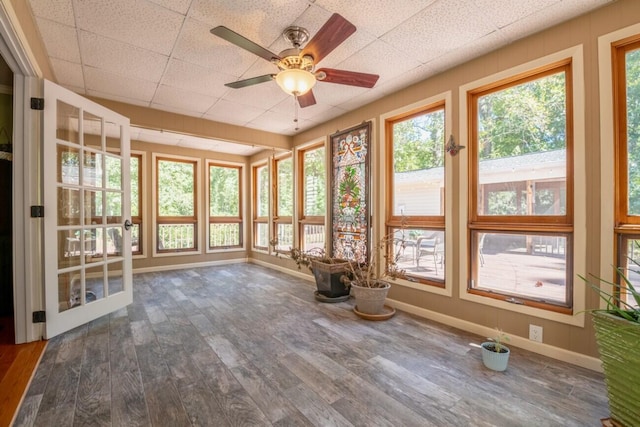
x=427 y=222
x=137 y=220
x=626 y=226
x=303 y=218
x=561 y=225
x=225 y=219
x=169 y=220
x=277 y=218
x=257 y=219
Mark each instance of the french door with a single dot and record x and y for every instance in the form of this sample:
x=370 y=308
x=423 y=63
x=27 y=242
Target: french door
x=86 y=197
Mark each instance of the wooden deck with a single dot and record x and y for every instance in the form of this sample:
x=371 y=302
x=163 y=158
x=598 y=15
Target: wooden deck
x=246 y=345
x=17 y=364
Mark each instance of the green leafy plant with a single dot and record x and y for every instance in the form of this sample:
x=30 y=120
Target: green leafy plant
x=616 y=303
x=498 y=341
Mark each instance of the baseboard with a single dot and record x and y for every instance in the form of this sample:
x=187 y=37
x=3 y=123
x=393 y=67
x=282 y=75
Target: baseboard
x=286 y=270
x=557 y=353
x=190 y=265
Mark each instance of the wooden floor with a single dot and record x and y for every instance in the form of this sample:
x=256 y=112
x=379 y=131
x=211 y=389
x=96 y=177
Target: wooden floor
x=17 y=363
x=243 y=345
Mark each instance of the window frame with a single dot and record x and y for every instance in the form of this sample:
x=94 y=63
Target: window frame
x=256 y=218
x=225 y=219
x=304 y=219
x=561 y=225
x=160 y=220
x=277 y=218
x=578 y=124
x=139 y=219
x=426 y=222
x=626 y=226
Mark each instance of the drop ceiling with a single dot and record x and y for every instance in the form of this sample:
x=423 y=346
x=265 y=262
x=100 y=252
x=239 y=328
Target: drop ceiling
x=160 y=53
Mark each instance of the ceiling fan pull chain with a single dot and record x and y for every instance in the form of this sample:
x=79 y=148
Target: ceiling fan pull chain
x=295 y=109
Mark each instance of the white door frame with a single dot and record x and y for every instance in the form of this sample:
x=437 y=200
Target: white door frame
x=28 y=282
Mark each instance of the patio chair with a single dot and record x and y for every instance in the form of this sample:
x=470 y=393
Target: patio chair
x=432 y=247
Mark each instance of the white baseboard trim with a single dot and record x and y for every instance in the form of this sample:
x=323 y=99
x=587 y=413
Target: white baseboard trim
x=190 y=265
x=286 y=270
x=574 y=358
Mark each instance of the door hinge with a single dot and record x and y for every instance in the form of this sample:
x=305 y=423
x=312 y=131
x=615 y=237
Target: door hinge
x=39 y=317
x=37 y=211
x=37 y=103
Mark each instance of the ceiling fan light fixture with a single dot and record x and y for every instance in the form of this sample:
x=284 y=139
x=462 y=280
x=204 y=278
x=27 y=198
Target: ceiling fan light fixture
x=295 y=81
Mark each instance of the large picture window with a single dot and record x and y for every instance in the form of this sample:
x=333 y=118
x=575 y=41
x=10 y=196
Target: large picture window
x=312 y=197
x=521 y=185
x=176 y=205
x=626 y=65
x=260 y=188
x=416 y=182
x=225 y=207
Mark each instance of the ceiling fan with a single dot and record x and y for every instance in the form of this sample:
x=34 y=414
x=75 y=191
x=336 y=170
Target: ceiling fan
x=297 y=74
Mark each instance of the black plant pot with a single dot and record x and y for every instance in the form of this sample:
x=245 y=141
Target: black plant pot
x=329 y=277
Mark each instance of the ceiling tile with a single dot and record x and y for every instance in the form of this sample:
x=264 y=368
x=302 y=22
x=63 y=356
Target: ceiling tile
x=60 y=11
x=231 y=112
x=380 y=58
x=287 y=106
x=441 y=27
x=187 y=101
x=196 y=79
x=180 y=6
x=136 y=22
x=272 y=122
x=376 y=17
x=260 y=22
x=61 y=41
x=263 y=95
x=121 y=58
x=113 y=84
x=504 y=12
x=198 y=46
x=67 y=73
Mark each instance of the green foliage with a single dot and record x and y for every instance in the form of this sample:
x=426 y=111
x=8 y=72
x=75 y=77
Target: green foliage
x=263 y=191
x=526 y=118
x=498 y=341
x=176 y=184
x=633 y=129
x=615 y=303
x=285 y=187
x=314 y=182
x=418 y=143
x=224 y=191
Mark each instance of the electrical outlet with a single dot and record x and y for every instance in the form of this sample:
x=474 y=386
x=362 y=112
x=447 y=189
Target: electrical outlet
x=535 y=333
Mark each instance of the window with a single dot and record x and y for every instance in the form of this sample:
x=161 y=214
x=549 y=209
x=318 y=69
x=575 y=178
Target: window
x=283 y=215
x=225 y=207
x=261 y=207
x=176 y=205
x=416 y=182
x=135 y=167
x=521 y=189
x=626 y=63
x=312 y=197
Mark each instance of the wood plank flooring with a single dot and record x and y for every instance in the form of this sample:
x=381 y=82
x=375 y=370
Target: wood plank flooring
x=243 y=345
x=17 y=363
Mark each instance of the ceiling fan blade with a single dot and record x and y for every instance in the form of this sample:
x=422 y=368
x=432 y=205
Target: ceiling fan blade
x=336 y=30
x=307 y=99
x=250 y=82
x=243 y=42
x=352 y=78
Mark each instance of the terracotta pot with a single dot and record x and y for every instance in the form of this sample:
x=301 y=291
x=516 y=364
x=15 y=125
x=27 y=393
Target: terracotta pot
x=370 y=300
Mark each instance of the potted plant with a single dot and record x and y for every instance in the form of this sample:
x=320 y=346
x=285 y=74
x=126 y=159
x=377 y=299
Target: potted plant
x=330 y=273
x=369 y=285
x=495 y=355
x=617 y=330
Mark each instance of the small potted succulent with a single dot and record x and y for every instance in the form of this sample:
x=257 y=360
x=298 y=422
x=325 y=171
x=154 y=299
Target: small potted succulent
x=495 y=355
